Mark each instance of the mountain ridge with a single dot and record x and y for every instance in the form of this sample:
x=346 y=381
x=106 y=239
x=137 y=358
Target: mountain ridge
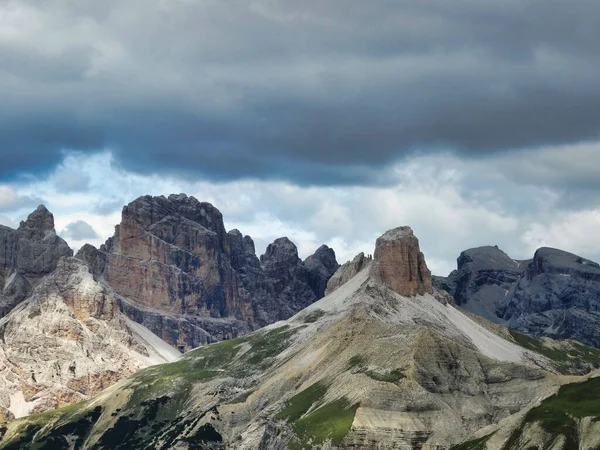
x=555 y=294
x=364 y=364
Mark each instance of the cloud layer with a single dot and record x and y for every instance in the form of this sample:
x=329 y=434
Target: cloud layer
x=324 y=92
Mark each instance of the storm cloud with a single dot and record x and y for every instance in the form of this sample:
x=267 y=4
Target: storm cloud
x=326 y=92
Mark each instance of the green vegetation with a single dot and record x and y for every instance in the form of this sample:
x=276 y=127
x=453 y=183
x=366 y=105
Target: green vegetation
x=387 y=377
x=69 y=435
x=558 y=414
x=332 y=421
x=570 y=357
x=155 y=410
x=313 y=316
x=300 y=403
x=475 y=444
x=358 y=363
x=209 y=362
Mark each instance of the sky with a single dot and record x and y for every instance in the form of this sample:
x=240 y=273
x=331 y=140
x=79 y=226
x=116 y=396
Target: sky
x=329 y=121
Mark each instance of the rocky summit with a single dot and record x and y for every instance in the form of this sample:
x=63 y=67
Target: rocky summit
x=171 y=274
x=179 y=273
x=27 y=254
x=379 y=362
x=555 y=294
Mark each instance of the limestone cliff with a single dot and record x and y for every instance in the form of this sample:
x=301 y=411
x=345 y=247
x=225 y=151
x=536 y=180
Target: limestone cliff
x=178 y=272
x=27 y=254
x=400 y=264
x=555 y=294
x=67 y=341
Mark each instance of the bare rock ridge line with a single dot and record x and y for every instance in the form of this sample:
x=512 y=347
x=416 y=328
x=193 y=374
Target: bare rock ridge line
x=380 y=362
x=184 y=277
x=69 y=323
x=556 y=294
x=27 y=254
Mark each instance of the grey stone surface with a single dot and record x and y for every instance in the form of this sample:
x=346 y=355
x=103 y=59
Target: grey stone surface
x=191 y=282
x=556 y=294
x=26 y=254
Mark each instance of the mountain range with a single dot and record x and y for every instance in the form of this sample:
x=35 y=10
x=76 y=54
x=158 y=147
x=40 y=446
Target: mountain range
x=376 y=353
x=556 y=294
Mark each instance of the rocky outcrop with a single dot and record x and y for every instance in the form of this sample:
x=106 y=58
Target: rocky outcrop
x=27 y=254
x=182 y=275
x=556 y=294
x=347 y=271
x=484 y=277
x=321 y=266
x=68 y=341
x=400 y=264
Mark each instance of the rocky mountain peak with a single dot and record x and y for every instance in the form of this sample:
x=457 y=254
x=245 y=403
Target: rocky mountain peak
x=490 y=257
x=321 y=265
x=281 y=249
x=40 y=219
x=30 y=252
x=558 y=262
x=400 y=264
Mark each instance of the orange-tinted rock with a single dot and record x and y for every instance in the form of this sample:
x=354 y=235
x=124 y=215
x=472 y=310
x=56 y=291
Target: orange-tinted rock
x=400 y=264
x=180 y=274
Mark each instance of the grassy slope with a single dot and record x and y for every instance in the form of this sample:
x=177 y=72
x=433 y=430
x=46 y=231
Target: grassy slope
x=154 y=411
x=558 y=416
x=571 y=358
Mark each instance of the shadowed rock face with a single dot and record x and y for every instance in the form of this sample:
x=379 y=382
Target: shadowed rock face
x=182 y=275
x=556 y=294
x=399 y=263
x=26 y=254
x=321 y=267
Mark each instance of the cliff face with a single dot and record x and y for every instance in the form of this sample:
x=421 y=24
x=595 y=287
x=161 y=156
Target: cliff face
x=400 y=264
x=556 y=294
x=27 y=254
x=180 y=273
x=67 y=341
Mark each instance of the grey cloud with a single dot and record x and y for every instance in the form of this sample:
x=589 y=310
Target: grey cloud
x=317 y=92
x=108 y=207
x=79 y=231
x=11 y=200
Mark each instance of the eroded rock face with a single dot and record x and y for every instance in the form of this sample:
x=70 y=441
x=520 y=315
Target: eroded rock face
x=68 y=342
x=555 y=294
x=347 y=271
x=321 y=266
x=482 y=280
x=400 y=264
x=26 y=254
x=183 y=276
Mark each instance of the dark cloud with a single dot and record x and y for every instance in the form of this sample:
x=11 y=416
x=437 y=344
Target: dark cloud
x=79 y=231
x=317 y=92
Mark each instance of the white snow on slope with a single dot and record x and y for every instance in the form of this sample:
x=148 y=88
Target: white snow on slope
x=160 y=351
